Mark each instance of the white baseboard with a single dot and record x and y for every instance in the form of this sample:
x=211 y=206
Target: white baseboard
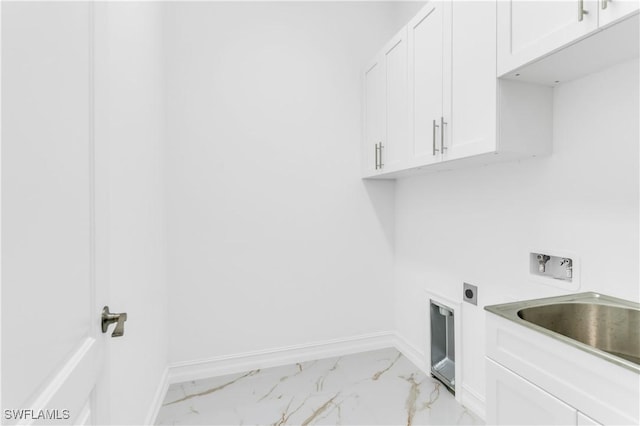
x=473 y=401
x=156 y=403
x=413 y=354
x=238 y=363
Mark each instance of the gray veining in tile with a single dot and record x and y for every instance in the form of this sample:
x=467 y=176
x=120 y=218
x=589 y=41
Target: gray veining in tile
x=377 y=387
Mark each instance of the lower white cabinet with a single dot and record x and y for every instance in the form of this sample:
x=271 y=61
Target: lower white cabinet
x=533 y=378
x=512 y=400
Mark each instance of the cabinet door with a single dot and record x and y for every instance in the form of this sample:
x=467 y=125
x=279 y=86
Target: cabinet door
x=395 y=151
x=586 y=421
x=470 y=96
x=374 y=115
x=612 y=10
x=512 y=400
x=530 y=29
x=425 y=40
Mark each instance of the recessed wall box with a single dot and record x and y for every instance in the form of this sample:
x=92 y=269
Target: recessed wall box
x=557 y=268
x=470 y=293
x=443 y=344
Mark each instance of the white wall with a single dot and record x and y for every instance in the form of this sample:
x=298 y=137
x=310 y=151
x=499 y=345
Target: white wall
x=274 y=239
x=130 y=57
x=478 y=225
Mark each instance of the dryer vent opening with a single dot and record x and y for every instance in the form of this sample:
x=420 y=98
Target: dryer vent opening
x=442 y=344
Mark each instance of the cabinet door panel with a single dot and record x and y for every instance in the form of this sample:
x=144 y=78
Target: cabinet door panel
x=469 y=72
x=374 y=114
x=396 y=149
x=425 y=36
x=530 y=29
x=612 y=10
x=586 y=421
x=512 y=400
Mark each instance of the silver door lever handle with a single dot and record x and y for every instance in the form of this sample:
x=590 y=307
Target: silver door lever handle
x=109 y=318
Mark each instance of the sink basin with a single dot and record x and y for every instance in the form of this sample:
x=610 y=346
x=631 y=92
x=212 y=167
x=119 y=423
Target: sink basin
x=605 y=326
x=615 y=330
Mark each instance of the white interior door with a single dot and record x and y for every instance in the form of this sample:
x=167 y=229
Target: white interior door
x=53 y=281
x=425 y=40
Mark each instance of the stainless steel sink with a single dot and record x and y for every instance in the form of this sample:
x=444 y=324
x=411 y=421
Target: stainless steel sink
x=609 y=328
x=605 y=326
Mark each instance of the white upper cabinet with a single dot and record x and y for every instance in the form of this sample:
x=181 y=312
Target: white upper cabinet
x=374 y=116
x=396 y=149
x=613 y=10
x=529 y=29
x=470 y=82
x=553 y=41
x=386 y=145
x=444 y=106
x=470 y=101
x=425 y=41
x=452 y=81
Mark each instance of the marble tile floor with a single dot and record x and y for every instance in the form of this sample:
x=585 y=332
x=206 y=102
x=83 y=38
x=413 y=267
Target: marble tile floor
x=369 y=388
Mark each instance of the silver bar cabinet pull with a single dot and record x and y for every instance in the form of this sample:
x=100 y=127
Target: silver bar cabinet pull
x=604 y=4
x=581 y=11
x=442 y=123
x=381 y=163
x=434 y=137
x=376 y=156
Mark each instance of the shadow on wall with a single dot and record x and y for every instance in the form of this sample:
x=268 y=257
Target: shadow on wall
x=382 y=194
